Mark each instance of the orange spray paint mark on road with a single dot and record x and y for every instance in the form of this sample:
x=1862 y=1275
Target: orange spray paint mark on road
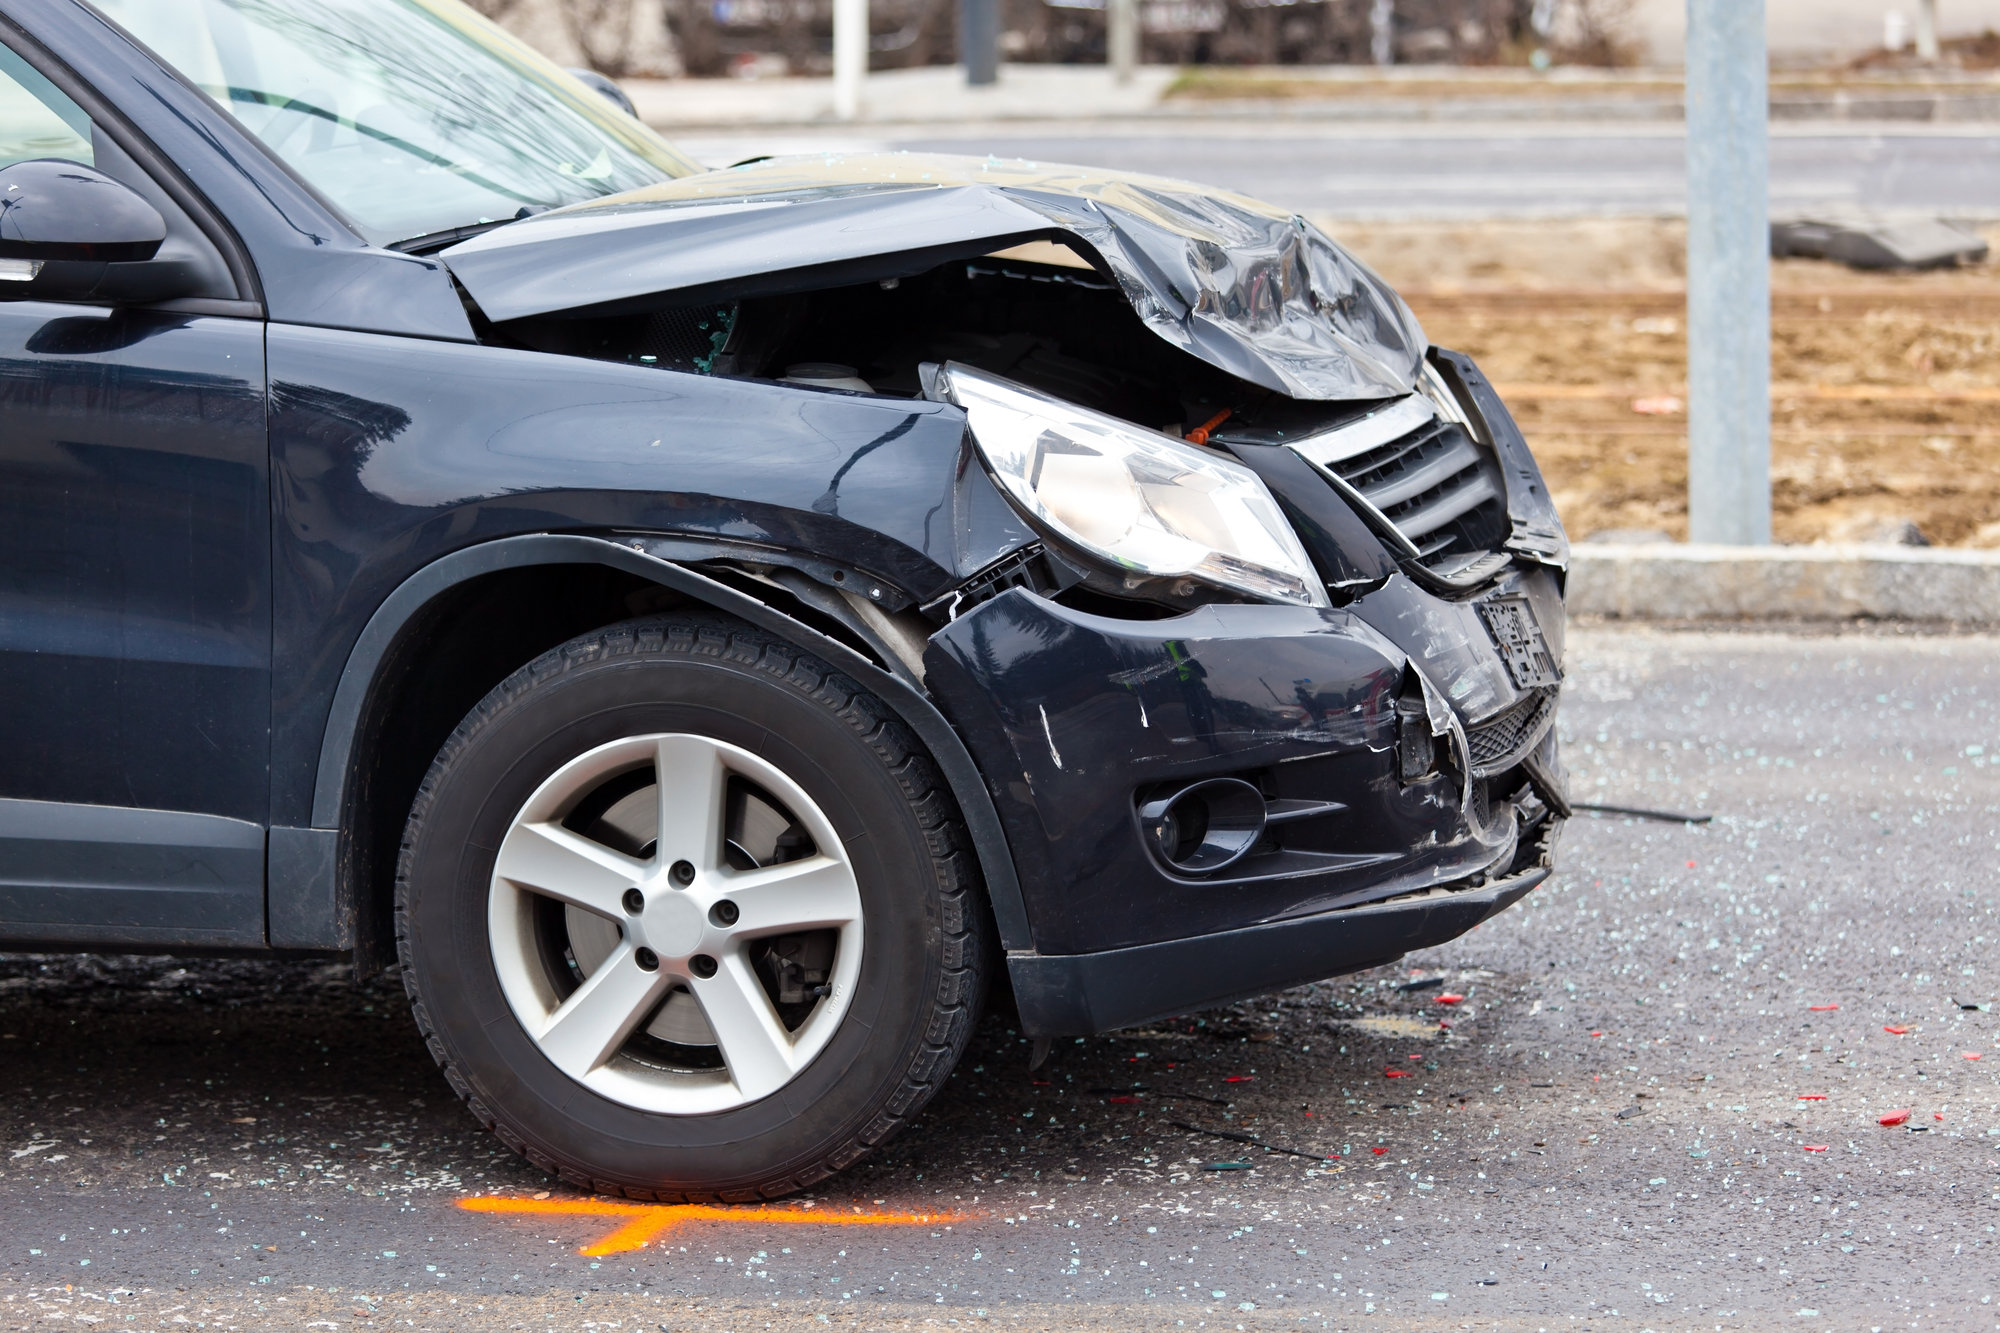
x=643 y=1223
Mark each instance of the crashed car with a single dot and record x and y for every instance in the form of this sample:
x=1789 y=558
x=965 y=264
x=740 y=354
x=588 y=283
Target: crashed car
x=716 y=630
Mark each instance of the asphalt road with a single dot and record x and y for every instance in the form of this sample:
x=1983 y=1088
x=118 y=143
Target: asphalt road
x=1619 y=1129
x=1374 y=171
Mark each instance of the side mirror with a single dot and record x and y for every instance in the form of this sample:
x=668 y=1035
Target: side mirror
x=69 y=233
x=51 y=209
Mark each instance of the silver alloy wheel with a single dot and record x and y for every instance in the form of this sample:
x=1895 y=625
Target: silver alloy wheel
x=668 y=943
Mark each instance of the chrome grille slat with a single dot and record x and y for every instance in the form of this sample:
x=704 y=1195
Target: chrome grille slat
x=1432 y=476
x=1378 y=428
x=1449 y=505
x=1451 y=458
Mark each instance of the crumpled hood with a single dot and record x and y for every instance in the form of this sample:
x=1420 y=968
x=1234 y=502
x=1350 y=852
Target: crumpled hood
x=1251 y=289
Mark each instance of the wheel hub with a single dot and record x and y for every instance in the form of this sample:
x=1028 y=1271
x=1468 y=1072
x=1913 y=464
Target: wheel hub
x=673 y=923
x=657 y=895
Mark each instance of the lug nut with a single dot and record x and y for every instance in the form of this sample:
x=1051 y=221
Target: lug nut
x=648 y=960
x=682 y=874
x=724 y=913
x=635 y=901
x=702 y=966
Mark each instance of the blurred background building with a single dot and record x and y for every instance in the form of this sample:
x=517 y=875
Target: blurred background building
x=753 y=38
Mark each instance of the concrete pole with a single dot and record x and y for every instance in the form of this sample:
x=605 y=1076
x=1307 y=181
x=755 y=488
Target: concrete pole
x=1927 y=42
x=979 y=41
x=850 y=56
x=1122 y=37
x=1382 y=32
x=1729 y=274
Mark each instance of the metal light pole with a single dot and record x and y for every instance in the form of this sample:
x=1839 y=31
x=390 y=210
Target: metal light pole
x=850 y=56
x=1927 y=43
x=979 y=41
x=1122 y=37
x=1729 y=274
x=1382 y=32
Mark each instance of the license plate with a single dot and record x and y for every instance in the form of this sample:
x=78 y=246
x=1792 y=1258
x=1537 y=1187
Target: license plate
x=1510 y=622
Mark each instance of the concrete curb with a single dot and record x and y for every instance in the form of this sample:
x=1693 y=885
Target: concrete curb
x=935 y=95
x=1668 y=581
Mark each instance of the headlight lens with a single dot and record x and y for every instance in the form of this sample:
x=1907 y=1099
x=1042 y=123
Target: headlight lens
x=1146 y=503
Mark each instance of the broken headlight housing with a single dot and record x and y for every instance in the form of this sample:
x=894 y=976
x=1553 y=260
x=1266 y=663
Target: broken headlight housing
x=1145 y=503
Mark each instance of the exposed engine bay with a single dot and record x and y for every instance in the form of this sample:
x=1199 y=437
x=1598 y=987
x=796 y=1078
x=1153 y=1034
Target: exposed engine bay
x=1039 y=316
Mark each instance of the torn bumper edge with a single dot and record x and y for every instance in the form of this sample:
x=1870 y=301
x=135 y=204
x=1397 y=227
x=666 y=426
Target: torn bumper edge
x=1080 y=994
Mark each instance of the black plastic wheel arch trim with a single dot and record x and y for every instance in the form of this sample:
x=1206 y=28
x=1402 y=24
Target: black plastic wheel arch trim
x=996 y=861
x=1074 y=995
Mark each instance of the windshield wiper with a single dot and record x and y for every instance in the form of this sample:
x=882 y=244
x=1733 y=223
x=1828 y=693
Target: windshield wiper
x=432 y=241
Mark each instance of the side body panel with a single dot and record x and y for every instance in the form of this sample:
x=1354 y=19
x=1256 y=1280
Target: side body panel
x=388 y=453
x=134 y=616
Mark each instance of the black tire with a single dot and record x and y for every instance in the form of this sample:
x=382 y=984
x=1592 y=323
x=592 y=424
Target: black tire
x=921 y=978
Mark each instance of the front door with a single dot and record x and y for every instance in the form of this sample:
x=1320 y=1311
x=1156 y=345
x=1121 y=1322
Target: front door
x=134 y=605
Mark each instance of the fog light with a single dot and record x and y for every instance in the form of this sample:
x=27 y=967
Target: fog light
x=1204 y=828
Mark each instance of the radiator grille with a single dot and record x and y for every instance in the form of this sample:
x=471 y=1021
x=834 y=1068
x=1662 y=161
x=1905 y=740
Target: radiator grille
x=1429 y=478
x=1499 y=744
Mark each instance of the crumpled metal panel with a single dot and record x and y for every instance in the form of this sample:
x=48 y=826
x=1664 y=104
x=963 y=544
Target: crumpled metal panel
x=1251 y=289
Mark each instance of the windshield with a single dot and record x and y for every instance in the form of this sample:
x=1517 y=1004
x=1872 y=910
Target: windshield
x=413 y=116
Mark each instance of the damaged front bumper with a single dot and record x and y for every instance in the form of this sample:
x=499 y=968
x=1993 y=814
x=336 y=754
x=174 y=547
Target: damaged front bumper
x=1388 y=823
x=1066 y=995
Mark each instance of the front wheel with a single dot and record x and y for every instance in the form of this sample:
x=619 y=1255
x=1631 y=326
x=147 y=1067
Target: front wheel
x=684 y=913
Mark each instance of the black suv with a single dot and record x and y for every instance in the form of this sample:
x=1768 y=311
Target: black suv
x=711 y=628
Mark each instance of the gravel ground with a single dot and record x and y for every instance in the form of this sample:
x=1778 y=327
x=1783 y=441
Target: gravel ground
x=1564 y=305
x=1642 y=1113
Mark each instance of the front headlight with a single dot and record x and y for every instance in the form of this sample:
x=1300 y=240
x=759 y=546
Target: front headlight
x=1144 y=502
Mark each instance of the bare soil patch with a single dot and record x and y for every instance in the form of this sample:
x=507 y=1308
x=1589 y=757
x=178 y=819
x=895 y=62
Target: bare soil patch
x=1886 y=401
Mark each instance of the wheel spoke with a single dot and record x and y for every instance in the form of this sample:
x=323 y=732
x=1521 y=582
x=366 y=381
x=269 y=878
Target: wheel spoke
x=595 y=1021
x=754 y=1044
x=693 y=790
x=797 y=895
x=549 y=859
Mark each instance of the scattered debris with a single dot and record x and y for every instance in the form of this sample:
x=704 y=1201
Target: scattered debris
x=1815 y=1147
x=1637 y=812
x=1235 y=1137
x=1392 y=1027
x=1896 y=1031
x=1227 y=1166
x=1631 y=1111
x=1878 y=245
x=1822 y=1008
x=1421 y=983
x=1448 y=998
x=1875 y=530
x=1895 y=1118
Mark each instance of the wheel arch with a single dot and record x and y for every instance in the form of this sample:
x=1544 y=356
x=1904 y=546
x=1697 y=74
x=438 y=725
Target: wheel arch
x=323 y=890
